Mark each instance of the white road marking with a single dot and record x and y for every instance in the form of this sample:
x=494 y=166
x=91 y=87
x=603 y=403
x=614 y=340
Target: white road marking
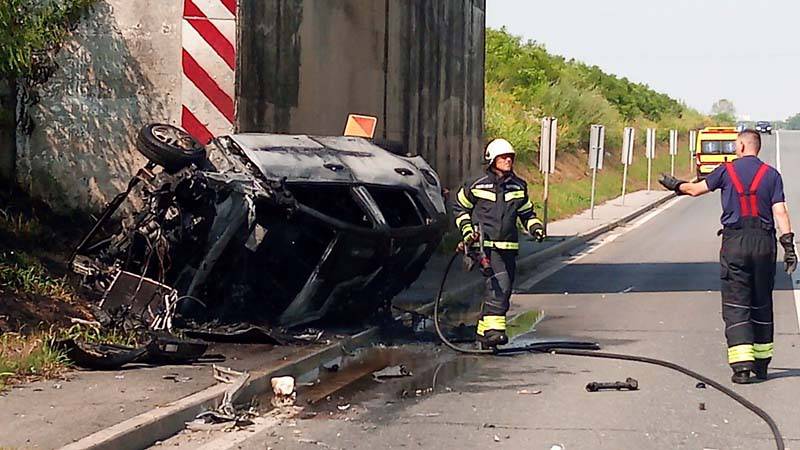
x=549 y=271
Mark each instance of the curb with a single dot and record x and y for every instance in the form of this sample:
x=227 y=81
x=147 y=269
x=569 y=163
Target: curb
x=165 y=421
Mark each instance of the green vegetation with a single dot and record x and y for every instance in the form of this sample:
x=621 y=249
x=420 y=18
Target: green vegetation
x=32 y=32
x=19 y=272
x=28 y=357
x=524 y=83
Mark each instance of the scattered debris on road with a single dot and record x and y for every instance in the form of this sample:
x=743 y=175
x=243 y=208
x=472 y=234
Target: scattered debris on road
x=283 y=392
x=225 y=416
x=629 y=384
x=398 y=371
x=527 y=392
x=176 y=378
x=160 y=349
x=700 y=385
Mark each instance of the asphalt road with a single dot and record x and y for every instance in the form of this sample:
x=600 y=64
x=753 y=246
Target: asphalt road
x=651 y=289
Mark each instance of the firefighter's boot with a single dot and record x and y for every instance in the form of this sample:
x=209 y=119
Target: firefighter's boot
x=760 y=368
x=492 y=332
x=742 y=372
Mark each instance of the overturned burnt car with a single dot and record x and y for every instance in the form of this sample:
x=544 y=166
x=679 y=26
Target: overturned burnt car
x=264 y=228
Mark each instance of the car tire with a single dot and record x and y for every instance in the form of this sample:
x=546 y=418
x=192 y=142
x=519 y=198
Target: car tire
x=169 y=147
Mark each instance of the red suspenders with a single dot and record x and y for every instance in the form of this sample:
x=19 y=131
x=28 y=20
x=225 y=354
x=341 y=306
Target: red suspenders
x=748 y=201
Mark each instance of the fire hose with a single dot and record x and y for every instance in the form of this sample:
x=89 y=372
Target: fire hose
x=580 y=349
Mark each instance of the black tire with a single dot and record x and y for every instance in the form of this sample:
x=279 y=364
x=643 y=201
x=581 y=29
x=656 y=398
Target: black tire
x=169 y=147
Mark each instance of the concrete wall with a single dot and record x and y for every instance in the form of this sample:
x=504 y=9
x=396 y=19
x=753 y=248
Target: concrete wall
x=121 y=70
x=416 y=64
x=303 y=65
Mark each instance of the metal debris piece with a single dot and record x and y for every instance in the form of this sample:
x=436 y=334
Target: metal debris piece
x=629 y=384
x=702 y=406
x=527 y=392
x=226 y=411
x=700 y=385
x=496 y=438
x=310 y=335
x=392 y=372
x=176 y=378
x=344 y=407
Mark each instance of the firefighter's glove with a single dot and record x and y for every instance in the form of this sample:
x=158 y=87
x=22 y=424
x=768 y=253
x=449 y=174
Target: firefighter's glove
x=671 y=183
x=789 y=255
x=467 y=242
x=537 y=231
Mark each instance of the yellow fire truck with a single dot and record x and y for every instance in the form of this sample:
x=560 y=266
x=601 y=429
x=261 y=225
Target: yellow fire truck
x=715 y=145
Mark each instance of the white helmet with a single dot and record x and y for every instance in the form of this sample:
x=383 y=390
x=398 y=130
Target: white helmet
x=496 y=148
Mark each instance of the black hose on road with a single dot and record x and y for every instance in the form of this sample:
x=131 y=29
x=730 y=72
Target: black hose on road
x=555 y=349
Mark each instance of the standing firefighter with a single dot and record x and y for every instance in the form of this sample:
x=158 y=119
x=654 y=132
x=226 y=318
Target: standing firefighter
x=487 y=210
x=752 y=204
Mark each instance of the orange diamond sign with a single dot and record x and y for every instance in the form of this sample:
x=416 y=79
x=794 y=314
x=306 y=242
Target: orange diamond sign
x=360 y=126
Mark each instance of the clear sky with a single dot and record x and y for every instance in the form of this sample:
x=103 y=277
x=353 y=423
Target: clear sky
x=697 y=51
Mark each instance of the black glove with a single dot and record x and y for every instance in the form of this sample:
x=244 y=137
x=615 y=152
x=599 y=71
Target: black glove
x=537 y=231
x=671 y=183
x=789 y=255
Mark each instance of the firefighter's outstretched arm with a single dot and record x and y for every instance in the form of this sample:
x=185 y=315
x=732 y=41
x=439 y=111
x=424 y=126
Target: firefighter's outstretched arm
x=529 y=220
x=682 y=187
x=462 y=210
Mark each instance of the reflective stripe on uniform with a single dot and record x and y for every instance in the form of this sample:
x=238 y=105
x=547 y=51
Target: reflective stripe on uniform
x=467 y=230
x=501 y=245
x=740 y=353
x=486 y=195
x=491 y=323
x=513 y=195
x=463 y=200
x=461 y=219
x=763 y=351
x=528 y=205
x=533 y=222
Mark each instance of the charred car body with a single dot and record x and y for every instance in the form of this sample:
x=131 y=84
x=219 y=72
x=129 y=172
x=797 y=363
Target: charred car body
x=265 y=228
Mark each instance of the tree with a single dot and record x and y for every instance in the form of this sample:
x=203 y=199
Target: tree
x=723 y=106
x=793 y=123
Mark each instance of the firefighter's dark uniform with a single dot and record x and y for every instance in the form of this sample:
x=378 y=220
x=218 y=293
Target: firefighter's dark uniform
x=495 y=204
x=747 y=257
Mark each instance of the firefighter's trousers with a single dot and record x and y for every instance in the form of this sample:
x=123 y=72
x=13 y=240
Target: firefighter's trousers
x=747 y=260
x=497 y=295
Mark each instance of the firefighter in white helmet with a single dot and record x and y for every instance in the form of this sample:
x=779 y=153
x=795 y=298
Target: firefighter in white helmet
x=491 y=205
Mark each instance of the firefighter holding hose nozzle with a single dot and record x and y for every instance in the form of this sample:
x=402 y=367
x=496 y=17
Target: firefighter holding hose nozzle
x=486 y=211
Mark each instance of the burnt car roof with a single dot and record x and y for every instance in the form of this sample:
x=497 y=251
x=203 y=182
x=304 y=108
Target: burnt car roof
x=324 y=158
x=337 y=159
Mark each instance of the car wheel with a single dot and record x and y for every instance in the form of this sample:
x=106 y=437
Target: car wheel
x=169 y=146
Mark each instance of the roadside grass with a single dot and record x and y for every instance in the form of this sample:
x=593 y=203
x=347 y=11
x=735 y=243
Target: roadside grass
x=25 y=358
x=23 y=273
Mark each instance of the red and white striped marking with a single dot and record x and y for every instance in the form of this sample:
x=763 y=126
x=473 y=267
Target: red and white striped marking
x=209 y=68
